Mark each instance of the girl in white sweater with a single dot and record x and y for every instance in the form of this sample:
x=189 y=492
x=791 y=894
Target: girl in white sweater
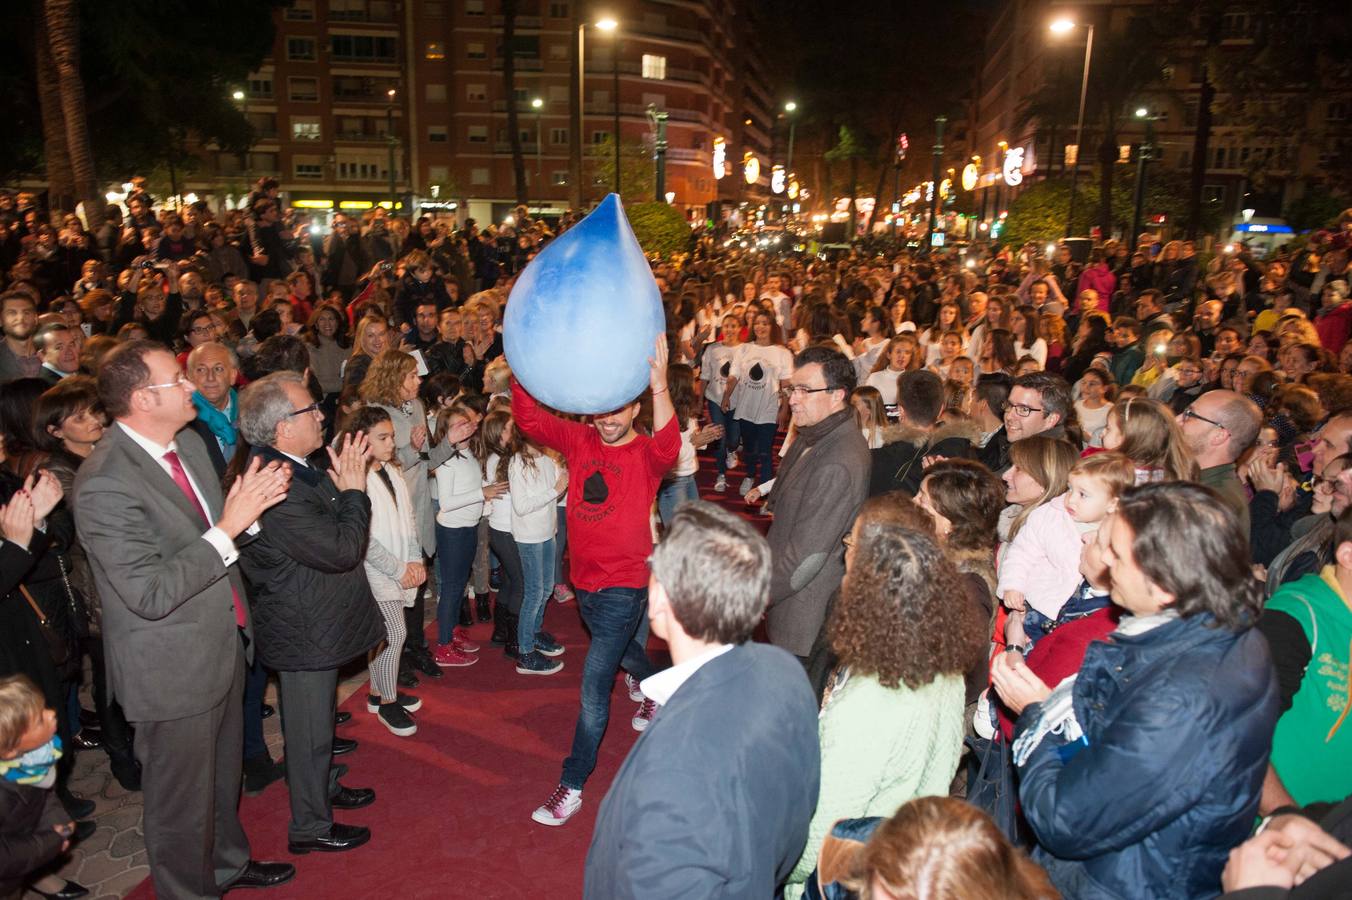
x=535 y=481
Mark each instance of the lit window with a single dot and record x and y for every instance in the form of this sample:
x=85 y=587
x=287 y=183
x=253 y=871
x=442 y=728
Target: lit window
x=479 y=176
x=435 y=50
x=654 y=66
x=305 y=129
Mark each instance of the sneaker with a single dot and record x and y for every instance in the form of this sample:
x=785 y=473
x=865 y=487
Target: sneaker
x=395 y=717
x=560 y=806
x=446 y=655
x=746 y=487
x=563 y=593
x=545 y=644
x=407 y=701
x=732 y=460
x=721 y=483
x=635 y=693
x=643 y=718
x=535 y=663
x=462 y=642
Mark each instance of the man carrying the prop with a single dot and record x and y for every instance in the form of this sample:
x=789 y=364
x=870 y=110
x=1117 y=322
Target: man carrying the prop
x=614 y=474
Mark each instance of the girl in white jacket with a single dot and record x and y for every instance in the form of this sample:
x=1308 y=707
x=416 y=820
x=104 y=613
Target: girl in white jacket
x=394 y=567
x=535 y=481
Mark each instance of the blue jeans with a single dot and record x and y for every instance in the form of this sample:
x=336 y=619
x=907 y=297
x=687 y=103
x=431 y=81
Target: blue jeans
x=731 y=435
x=537 y=569
x=612 y=615
x=455 y=558
x=679 y=490
x=759 y=456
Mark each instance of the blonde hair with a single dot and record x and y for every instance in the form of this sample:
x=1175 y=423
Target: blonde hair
x=20 y=706
x=497 y=376
x=1115 y=471
x=1047 y=461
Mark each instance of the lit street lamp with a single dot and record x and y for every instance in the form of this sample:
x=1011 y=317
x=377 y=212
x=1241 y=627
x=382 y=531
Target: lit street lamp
x=390 y=141
x=1065 y=26
x=537 y=104
x=790 y=108
x=1143 y=156
x=610 y=25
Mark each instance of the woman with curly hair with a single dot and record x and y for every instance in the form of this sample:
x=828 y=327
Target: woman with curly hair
x=892 y=719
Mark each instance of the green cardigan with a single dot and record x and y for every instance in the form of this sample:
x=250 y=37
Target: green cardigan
x=881 y=747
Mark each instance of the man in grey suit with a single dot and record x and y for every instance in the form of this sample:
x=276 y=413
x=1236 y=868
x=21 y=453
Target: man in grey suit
x=161 y=543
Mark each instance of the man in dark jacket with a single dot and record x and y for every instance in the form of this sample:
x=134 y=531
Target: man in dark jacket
x=313 y=606
x=899 y=464
x=747 y=792
x=820 y=487
x=1139 y=774
x=1039 y=403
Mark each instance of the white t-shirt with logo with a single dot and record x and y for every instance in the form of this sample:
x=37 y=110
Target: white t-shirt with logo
x=759 y=370
x=714 y=368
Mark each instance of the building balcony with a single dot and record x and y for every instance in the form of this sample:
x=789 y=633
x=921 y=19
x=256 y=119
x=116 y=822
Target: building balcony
x=363 y=137
x=522 y=65
x=379 y=12
x=637 y=110
x=505 y=148
x=383 y=60
x=627 y=67
x=669 y=32
x=523 y=23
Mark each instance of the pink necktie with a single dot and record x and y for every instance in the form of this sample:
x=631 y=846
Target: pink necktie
x=181 y=479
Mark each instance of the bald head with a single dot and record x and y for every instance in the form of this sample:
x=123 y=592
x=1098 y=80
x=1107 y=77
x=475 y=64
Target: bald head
x=213 y=367
x=1219 y=426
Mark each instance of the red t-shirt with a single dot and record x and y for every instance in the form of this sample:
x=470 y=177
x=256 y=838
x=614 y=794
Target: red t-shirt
x=610 y=493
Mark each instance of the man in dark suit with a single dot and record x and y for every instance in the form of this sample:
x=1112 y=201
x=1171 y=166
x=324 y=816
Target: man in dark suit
x=314 y=605
x=59 y=348
x=715 y=798
x=213 y=369
x=161 y=542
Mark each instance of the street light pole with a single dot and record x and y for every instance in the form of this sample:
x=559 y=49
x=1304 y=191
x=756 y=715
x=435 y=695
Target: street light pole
x=938 y=168
x=659 y=119
x=1061 y=26
x=537 y=104
x=389 y=138
x=1143 y=156
x=790 y=108
x=615 y=76
x=578 y=77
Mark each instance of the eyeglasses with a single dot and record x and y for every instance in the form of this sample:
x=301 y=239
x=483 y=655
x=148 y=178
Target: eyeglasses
x=800 y=390
x=1022 y=410
x=1189 y=414
x=179 y=382
x=313 y=407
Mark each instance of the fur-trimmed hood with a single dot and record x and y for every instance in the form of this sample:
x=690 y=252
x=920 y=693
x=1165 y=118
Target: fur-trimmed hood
x=965 y=430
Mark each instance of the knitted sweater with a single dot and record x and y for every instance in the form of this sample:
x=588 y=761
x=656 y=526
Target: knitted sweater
x=881 y=747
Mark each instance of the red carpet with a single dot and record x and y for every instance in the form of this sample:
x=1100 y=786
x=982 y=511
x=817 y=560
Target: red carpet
x=453 y=802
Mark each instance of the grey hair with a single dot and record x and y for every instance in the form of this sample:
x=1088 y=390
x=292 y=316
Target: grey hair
x=715 y=569
x=264 y=405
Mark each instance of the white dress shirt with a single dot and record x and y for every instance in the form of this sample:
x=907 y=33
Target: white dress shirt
x=663 y=686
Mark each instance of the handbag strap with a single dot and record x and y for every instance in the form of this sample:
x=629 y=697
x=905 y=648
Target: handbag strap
x=33 y=603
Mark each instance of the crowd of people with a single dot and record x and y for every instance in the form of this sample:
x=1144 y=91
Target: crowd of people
x=1054 y=578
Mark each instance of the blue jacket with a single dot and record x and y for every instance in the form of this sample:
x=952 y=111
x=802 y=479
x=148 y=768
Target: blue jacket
x=1179 y=724
x=715 y=798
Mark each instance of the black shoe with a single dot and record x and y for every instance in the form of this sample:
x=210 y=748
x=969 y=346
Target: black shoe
x=421 y=661
x=342 y=717
x=501 y=632
x=262 y=875
x=268 y=711
x=88 y=739
x=352 y=798
x=125 y=769
x=396 y=718
x=76 y=807
x=482 y=609
x=343 y=745
x=339 y=838
x=409 y=702
x=89 y=718
x=466 y=615
x=84 y=830
x=407 y=679
x=259 y=772
x=70 y=891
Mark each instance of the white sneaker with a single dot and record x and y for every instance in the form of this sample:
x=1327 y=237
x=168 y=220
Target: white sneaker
x=635 y=693
x=721 y=484
x=746 y=487
x=559 y=808
x=732 y=460
x=644 y=716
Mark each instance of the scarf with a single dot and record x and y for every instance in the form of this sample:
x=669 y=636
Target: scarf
x=36 y=768
x=1057 y=713
x=804 y=440
x=221 y=423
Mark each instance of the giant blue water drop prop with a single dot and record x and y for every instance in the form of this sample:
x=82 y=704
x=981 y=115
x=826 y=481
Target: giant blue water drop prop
x=582 y=319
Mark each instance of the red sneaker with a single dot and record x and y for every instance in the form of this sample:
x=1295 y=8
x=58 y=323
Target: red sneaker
x=447 y=656
x=460 y=641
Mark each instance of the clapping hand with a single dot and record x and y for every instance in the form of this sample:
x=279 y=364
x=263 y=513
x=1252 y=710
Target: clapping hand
x=706 y=436
x=260 y=488
x=348 y=472
x=418 y=437
x=16 y=519
x=46 y=492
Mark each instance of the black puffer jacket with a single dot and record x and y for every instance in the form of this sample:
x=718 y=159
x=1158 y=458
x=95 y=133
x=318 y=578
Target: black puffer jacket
x=898 y=465
x=312 y=605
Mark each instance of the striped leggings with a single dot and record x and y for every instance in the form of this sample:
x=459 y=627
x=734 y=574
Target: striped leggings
x=384 y=664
